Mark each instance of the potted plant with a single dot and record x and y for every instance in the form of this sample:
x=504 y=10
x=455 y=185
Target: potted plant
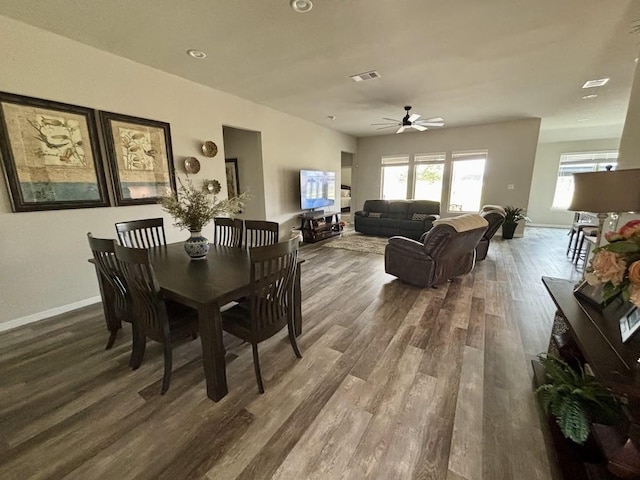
x=576 y=399
x=512 y=216
x=192 y=208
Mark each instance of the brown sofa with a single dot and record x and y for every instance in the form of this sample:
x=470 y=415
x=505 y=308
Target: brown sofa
x=494 y=214
x=444 y=252
x=386 y=218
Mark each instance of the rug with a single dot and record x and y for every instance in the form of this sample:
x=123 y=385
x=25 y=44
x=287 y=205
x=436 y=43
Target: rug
x=359 y=243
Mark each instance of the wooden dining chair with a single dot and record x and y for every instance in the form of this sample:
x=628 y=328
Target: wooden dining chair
x=259 y=233
x=227 y=232
x=114 y=294
x=269 y=307
x=145 y=233
x=157 y=320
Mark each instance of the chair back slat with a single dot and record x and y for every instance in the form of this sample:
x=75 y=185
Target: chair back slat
x=145 y=233
x=227 y=232
x=259 y=233
x=104 y=256
x=273 y=269
x=147 y=302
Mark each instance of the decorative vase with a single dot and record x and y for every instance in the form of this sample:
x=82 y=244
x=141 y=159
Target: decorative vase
x=197 y=246
x=508 y=230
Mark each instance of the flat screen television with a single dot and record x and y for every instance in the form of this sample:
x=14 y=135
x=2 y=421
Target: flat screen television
x=317 y=189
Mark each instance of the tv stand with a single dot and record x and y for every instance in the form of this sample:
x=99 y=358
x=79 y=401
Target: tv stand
x=320 y=225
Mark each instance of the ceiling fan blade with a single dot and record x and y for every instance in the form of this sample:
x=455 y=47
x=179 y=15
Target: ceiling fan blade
x=388 y=126
x=414 y=117
x=431 y=124
x=401 y=129
x=419 y=127
x=392 y=120
x=387 y=123
x=433 y=119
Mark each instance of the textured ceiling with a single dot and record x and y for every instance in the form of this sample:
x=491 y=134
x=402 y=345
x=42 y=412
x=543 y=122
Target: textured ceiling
x=468 y=61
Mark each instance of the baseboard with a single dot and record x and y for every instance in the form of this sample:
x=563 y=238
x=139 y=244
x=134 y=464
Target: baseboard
x=10 y=324
x=547 y=225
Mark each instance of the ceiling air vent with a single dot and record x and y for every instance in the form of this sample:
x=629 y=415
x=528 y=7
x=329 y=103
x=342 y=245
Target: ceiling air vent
x=361 y=77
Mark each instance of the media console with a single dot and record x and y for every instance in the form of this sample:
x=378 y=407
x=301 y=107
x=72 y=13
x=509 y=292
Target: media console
x=317 y=226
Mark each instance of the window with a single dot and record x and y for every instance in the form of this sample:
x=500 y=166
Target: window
x=428 y=174
x=395 y=175
x=466 y=181
x=571 y=163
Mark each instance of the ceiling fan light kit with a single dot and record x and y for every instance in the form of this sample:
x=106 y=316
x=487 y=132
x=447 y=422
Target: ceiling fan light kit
x=301 y=6
x=411 y=121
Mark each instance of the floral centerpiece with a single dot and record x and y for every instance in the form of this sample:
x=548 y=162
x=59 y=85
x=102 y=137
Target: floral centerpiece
x=617 y=264
x=193 y=208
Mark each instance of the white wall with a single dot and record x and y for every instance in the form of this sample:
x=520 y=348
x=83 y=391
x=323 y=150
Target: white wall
x=545 y=174
x=43 y=255
x=246 y=147
x=629 y=156
x=511 y=147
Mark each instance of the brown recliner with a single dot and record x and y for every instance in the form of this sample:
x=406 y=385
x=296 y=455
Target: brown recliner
x=495 y=215
x=444 y=252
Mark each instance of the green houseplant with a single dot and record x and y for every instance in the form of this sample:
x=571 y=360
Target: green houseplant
x=576 y=399
x=513 y=215
x=194 y=207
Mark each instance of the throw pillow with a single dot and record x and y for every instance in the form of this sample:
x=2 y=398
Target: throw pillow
x=375 y=214
x=420 y=216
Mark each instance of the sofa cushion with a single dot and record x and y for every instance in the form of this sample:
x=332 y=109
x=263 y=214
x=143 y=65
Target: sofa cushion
x=374 y=214
x=423 y=206
x=376 y=206
x=398 y=209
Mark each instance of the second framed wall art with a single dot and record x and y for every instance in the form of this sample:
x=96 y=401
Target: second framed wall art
x=140 y=158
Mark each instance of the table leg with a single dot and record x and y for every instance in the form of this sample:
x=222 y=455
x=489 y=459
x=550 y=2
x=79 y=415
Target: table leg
x=210 y=325
x=297 y=304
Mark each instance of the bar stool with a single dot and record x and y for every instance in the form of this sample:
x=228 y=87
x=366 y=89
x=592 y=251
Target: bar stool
x=590 y=233
x=576 y=234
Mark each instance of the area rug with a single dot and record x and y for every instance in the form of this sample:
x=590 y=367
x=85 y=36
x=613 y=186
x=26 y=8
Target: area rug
x=359 y=243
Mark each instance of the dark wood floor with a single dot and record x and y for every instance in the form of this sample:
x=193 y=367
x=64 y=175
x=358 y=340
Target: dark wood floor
x=396 y=383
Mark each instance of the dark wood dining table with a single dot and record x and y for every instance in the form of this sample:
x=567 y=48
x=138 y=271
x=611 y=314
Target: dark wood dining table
x=206 y=285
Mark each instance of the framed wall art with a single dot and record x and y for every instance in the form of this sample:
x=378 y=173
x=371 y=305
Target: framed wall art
x=233 y=181
x=50 y=154
x=140 y=158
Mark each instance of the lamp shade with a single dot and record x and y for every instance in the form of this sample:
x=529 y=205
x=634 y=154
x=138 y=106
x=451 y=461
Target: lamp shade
x=606 y=192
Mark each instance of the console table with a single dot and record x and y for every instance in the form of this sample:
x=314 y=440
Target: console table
x=593 y=337
x=317 y=226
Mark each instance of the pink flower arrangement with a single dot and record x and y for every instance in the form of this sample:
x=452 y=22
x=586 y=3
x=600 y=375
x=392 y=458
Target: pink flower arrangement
x=617 y=264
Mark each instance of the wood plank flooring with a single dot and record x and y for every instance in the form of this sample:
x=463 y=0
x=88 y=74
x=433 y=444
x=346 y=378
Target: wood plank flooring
x=395 y=382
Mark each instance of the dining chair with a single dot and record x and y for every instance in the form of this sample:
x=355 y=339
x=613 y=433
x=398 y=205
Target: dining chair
x=115 y=300
x=227 y=232
x=259 y=233
x=144 y=233
x=269 y=307
x=156 y=319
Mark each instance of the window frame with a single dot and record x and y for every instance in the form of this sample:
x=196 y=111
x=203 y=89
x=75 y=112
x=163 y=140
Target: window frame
x=458 y=156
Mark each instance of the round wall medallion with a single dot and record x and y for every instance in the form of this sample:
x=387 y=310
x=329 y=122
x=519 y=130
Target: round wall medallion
x=209 y=149
x=191 y=165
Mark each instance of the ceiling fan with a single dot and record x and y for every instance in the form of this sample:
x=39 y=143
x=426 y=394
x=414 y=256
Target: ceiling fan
x=411 y=121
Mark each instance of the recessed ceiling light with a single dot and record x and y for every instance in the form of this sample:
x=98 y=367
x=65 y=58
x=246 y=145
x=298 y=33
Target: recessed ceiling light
x=589 y=97
x=595 y=83
x=199 y=54
x=301 y=6
x=331 y=117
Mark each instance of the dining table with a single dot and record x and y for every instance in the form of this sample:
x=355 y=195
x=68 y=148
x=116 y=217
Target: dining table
x=206 y=285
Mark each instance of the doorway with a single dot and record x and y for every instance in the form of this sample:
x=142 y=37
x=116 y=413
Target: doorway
x=346 y=187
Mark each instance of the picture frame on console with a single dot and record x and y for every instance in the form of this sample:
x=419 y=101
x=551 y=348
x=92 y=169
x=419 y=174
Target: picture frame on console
x=51 y=155
x=140 y=158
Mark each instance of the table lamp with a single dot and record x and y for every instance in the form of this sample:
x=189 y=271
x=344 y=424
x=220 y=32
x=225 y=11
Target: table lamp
x=607 y=192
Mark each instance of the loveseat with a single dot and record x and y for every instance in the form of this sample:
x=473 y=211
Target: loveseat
x=386 y=218
x=445 y=251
